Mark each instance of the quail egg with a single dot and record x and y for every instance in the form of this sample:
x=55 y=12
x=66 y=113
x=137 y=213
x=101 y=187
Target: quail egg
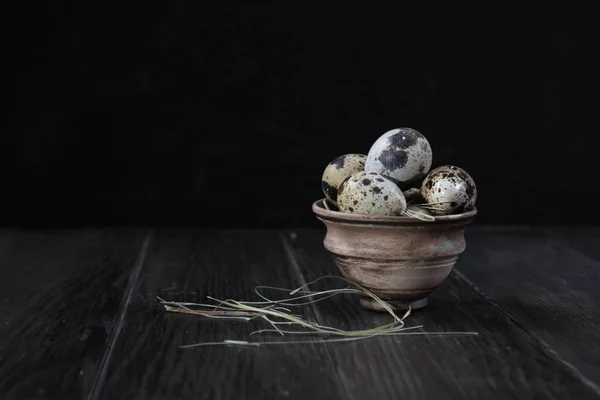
x=337 y=171
x=402 y=155
x=451 y=189
x=370 y=193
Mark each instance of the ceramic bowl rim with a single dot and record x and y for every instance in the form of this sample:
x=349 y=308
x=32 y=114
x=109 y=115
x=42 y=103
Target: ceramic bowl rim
x=332 y=215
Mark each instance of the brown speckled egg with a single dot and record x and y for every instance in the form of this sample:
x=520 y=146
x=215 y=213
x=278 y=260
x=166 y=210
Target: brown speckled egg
x=402 y=155
x=451 y=187
x=339 y=170
x=370 y=193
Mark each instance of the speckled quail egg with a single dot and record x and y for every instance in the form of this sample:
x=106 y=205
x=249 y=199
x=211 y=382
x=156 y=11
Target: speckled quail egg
x=451 y=187
x=339 y=170
x=402 y=155
x=370 y=193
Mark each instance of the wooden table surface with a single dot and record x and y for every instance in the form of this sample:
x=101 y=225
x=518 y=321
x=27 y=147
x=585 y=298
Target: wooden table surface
x=79 y=319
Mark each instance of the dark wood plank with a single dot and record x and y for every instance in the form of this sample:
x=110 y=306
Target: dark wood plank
x=546 y=282
x=584 y=239
x=504 y=361
x=60 y=292
x=187 y=265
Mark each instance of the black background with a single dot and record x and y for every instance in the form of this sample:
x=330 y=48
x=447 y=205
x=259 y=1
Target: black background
x=185 y=116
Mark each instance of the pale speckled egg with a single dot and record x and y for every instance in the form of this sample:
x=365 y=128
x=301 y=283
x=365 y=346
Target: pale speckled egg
x=452 y=187
x=402 y=155
x=370 y=193
x=338 y=171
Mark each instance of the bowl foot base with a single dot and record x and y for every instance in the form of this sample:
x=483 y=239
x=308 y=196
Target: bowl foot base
x=371 y=304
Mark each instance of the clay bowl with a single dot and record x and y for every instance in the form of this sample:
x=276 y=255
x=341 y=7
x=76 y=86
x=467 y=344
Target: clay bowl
x=400 y=259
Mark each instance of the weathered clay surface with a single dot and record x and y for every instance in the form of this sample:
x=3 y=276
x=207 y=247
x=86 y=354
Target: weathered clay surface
x=400 y=259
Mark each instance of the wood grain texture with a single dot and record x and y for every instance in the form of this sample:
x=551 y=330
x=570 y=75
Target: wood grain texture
x=188 y=265
x=504 y=361
x=60 y=293
x=64 y=294
x=585 y=240
x=547 y=280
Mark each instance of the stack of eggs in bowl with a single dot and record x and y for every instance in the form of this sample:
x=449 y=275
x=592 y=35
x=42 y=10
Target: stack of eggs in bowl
x=393 y=226
x=394 y=178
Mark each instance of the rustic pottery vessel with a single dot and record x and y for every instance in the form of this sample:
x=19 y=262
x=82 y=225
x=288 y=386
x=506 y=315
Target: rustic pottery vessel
x=400 y=259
